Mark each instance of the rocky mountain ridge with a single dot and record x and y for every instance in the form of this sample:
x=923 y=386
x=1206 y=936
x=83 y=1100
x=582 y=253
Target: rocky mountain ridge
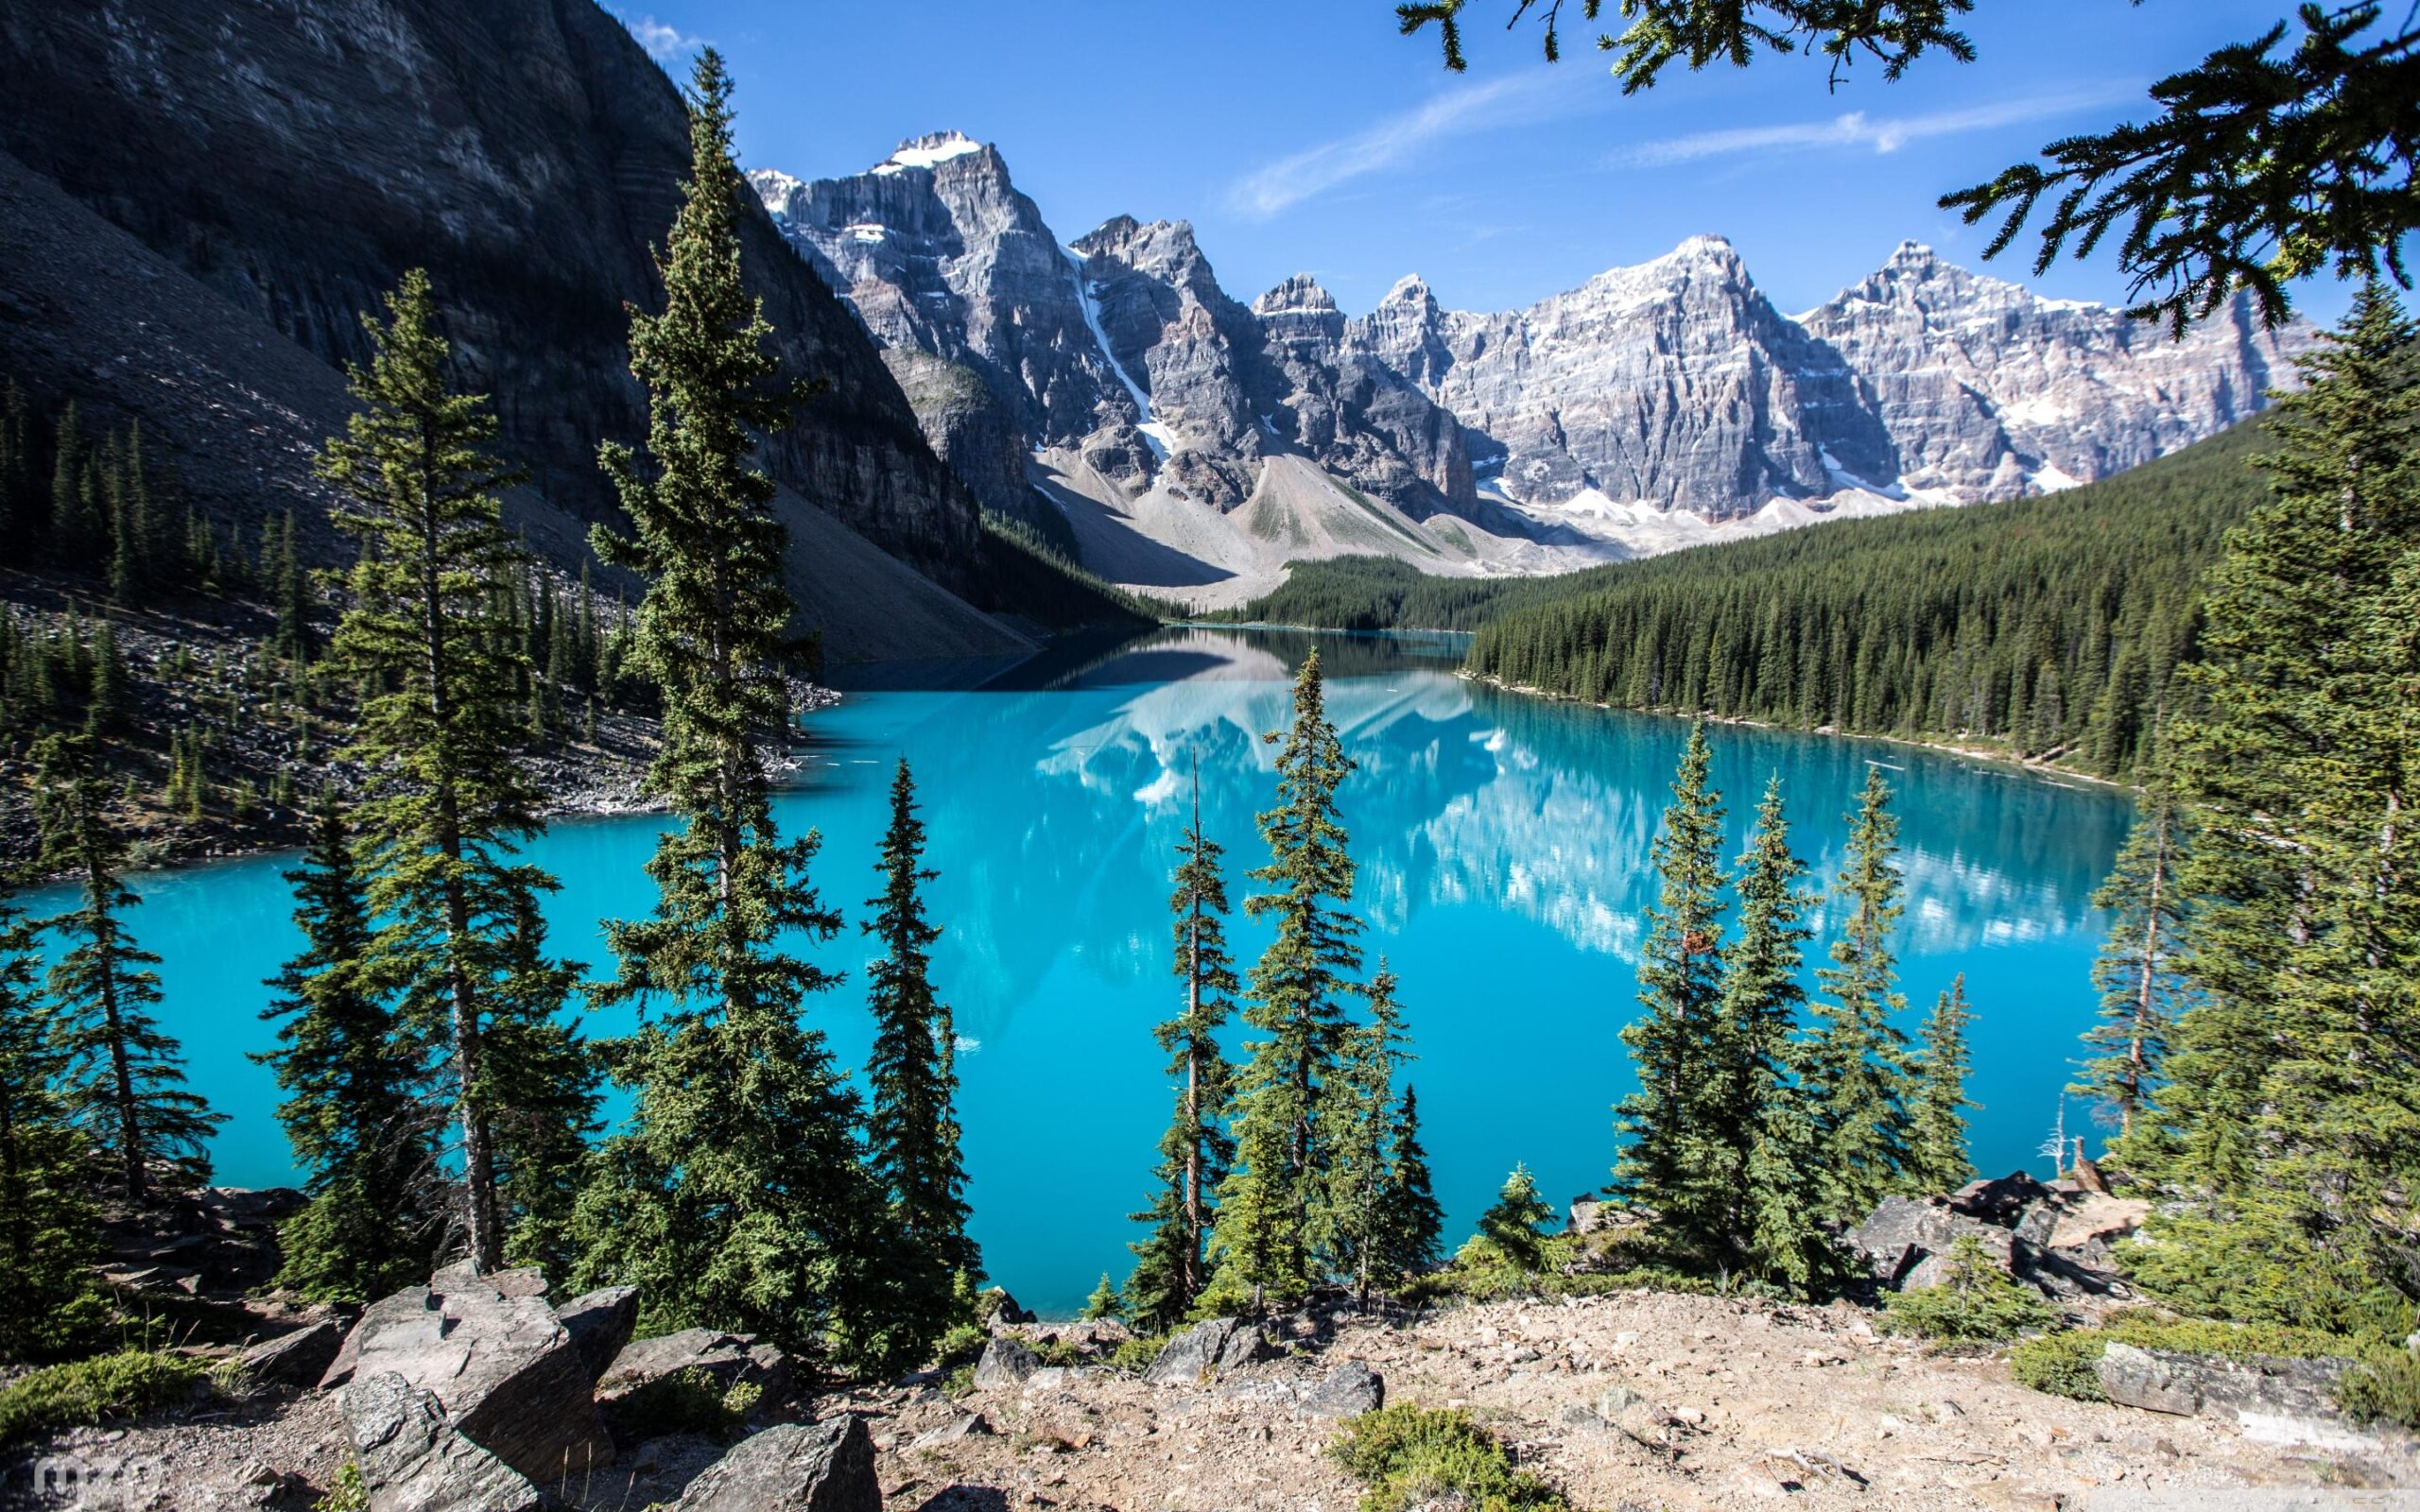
x=1653 y=405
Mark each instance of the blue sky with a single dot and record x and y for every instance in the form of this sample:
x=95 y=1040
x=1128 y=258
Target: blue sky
x=1307 y=136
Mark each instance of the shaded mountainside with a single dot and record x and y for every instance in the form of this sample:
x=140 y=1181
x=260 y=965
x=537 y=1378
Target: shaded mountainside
x=202 y=200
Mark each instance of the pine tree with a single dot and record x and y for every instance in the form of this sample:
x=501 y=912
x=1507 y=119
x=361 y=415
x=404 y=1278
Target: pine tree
x=1856 y=1058
x=2290 y=1123
x=447 y=804
x=1296 y=996
x=1772 y=1228
x=1936 y=1156
x=2139 y=969
x=1360 y=1173
x=911 y=1129
x=1104 y=1303
x=1195 y=1153
x=49 y=1304
x=738 y=1196
x=354 y=1086
x=1678 y=1133
x=128 y=1085
x=1509 y=1228
x=292 y=600
x=1415 y=1222
x=2256 y=743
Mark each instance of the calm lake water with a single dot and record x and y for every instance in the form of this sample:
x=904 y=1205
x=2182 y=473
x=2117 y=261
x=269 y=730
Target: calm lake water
x=1503 y=852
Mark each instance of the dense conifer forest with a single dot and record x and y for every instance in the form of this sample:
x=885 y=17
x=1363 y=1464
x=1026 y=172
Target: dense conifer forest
x=2049 y=626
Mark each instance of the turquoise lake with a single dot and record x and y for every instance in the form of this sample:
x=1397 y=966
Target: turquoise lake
x=1503 y=851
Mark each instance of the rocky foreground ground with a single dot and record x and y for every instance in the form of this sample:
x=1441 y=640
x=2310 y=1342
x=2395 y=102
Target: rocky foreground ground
x=1627 y=1401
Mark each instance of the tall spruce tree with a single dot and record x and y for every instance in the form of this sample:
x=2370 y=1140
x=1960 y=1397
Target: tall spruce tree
x=1937 y=1104
x=1415 y=1222
x=49 y=1301
x=1678 y=1133
x=2290 y=1123
x=1361 y=1175
x=736 y=1196
x=1771 y=1228
x=447 y=804
x=2139 y=971
x=125 y=1078
x=1297 y=999
x=911 y=1128
x=1855 y=1060
x=356 y=1084
x=1196 y=1152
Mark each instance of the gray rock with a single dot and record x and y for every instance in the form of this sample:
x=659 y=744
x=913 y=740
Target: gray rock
x=404 y=1306
x=1902 y=1232
x=505 y=1374
x=2265 y=1391
x=1586 y=1216
x=412 y=1460
x=1207 y=1350
x=965 y=1425
x=599 y=1324
x=2001 y=1200
x=1002 y=1307
x=297 y=1359
x=826 y=1466
x=1348 y=1391
x=524 y=1281
x=726 y=1359
x=1006 y=1365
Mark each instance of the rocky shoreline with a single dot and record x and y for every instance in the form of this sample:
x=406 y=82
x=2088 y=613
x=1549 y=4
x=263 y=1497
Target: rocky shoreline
x=1988 y=755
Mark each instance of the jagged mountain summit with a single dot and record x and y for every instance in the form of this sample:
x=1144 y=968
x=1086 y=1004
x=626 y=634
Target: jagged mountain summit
x=1110 y=389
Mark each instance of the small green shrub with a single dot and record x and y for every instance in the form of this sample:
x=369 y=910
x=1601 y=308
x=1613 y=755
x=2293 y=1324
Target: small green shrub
x=348 y=1494
x=962 y=1344
x=2060 y=1364
x=1409 y=1456
x=688 y=1401
x=1136 y=1354
x=87 y=1391
x=2385 y=1387
x=1975 y=1302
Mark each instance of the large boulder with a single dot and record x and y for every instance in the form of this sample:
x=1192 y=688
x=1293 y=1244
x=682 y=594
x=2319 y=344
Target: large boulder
x=825 y=1467
x=1348 y=1391
x=1903 y=1233
x=506 y=1373
x=1205 y=1351
x=2277 y=1398
x=726 y=1359
x=2001 y=1200
x=296 y=1359
x=403 y=1306
x=412 y=1460
x=599 y=1324
x=1005 y=1365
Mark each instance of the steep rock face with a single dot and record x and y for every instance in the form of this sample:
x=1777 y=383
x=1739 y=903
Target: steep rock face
x=940 y=253
x=1987 y=389
x=1674 y=381
x=1175 y=333
x=298 y=158
x=1355 y=416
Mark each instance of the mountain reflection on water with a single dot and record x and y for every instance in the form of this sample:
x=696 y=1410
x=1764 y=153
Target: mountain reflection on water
x=1503 y=847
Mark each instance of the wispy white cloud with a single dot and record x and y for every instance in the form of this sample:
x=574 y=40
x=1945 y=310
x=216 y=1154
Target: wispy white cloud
x=1861 y=130
x=664 y=44
x=1515 y=100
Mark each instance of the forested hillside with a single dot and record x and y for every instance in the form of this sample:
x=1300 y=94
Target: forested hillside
x=2052 y=625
